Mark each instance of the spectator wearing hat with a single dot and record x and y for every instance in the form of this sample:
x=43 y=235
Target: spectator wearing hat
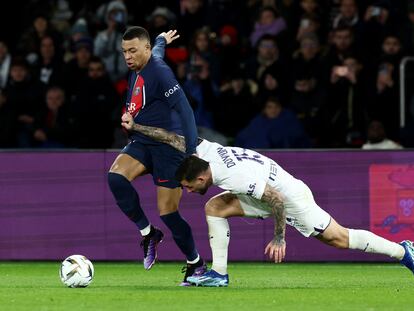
x=78 y=31
x=108 y=42
x=228 y=51
x=160 y=20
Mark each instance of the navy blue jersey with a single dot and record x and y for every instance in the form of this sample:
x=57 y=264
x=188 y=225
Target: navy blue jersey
x=156 y=99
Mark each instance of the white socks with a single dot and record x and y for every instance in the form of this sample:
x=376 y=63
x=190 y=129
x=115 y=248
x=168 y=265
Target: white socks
x=219 y=236
x=371 y=243
x=146 y=230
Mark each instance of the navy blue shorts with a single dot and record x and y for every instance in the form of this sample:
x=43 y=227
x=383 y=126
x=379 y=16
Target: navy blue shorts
x=161 y=161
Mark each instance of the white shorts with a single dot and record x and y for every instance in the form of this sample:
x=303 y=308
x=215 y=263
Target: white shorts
x=302 y=212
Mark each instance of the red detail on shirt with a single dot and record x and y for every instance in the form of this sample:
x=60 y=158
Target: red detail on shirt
x=137 y=98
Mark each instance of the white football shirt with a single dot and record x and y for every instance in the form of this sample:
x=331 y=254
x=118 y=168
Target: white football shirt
x=244 y=171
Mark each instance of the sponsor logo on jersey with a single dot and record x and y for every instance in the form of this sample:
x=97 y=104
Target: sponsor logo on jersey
x=172 y=90
x=252 y=187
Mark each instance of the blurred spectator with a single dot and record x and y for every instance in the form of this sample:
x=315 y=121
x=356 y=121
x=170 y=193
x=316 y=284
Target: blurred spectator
x=385 y=106
x=309 y=88
x=269 y=22
x=61 y=16
x=345 y=110
x=26 y=96
x=200 y=46
x=267 y=54
x=192 y=17
x=202 y=91
x=96 y=96
x=79 y=30
x=274 y=127
x=76 y=70
x=160 y=20
x=5 y=61
x=236 y=100
x=341 y=47
x=348 y=15
x=377 y=23
x=8 y=123
x=53 y=125
x=274 y=82
x=48 y=68
x=108 y=42
x=407 y=29
x=308 y=24
x=29 y=44
x=377 y=139
x=229 y=54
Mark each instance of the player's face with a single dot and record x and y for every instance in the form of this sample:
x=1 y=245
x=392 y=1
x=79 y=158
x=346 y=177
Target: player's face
x=198 y=185
x=136 y=53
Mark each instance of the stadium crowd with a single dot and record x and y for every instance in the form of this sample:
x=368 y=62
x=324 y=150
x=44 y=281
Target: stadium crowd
x=258 y=73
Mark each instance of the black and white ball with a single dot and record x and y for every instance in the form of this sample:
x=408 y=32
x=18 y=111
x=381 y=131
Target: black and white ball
x=76 y=271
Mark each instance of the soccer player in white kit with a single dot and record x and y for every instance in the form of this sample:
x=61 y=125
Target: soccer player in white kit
x=256 y=186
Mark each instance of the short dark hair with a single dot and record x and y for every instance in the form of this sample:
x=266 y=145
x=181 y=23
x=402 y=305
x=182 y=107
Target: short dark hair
x=136 y=32
x=191 y=168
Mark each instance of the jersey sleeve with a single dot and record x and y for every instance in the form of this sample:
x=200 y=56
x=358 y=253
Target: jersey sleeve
x=176 y=99
x=159 y=47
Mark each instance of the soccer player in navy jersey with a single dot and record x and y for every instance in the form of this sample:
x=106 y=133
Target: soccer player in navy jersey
x=156 y=99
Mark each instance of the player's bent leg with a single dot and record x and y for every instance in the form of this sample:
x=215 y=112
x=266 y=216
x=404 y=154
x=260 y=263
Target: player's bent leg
x=168 y=200
x=128 y=167
x=218 y=209
x=334 y=235
x=125 y=169
x=224 y=205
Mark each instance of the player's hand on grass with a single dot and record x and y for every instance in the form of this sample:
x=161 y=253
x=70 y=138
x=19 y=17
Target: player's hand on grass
x=276 y=250
x=170 y=36
x=127 y=121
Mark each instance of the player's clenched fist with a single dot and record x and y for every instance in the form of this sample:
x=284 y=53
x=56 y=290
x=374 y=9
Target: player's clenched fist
x=127 y=121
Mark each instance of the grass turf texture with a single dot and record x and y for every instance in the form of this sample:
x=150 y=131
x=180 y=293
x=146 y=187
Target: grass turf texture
x=253 y=286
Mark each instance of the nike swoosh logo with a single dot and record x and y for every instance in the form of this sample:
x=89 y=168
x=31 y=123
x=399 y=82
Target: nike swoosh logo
x=163 y=180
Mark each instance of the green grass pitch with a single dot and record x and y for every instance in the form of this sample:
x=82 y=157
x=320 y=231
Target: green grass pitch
x=253 y=286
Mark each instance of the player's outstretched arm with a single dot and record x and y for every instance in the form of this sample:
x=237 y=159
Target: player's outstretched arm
x=156 y=133
x=169 y=36
x=162 y=40
x=277 y=247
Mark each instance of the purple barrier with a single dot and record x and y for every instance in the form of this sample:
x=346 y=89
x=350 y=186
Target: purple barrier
x=55 y=204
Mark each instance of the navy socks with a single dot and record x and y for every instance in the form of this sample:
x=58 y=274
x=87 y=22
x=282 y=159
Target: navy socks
x=127 y=199
x=182 y=234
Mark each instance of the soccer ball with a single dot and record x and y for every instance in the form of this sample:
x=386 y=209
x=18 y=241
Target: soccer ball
x=76 y=271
